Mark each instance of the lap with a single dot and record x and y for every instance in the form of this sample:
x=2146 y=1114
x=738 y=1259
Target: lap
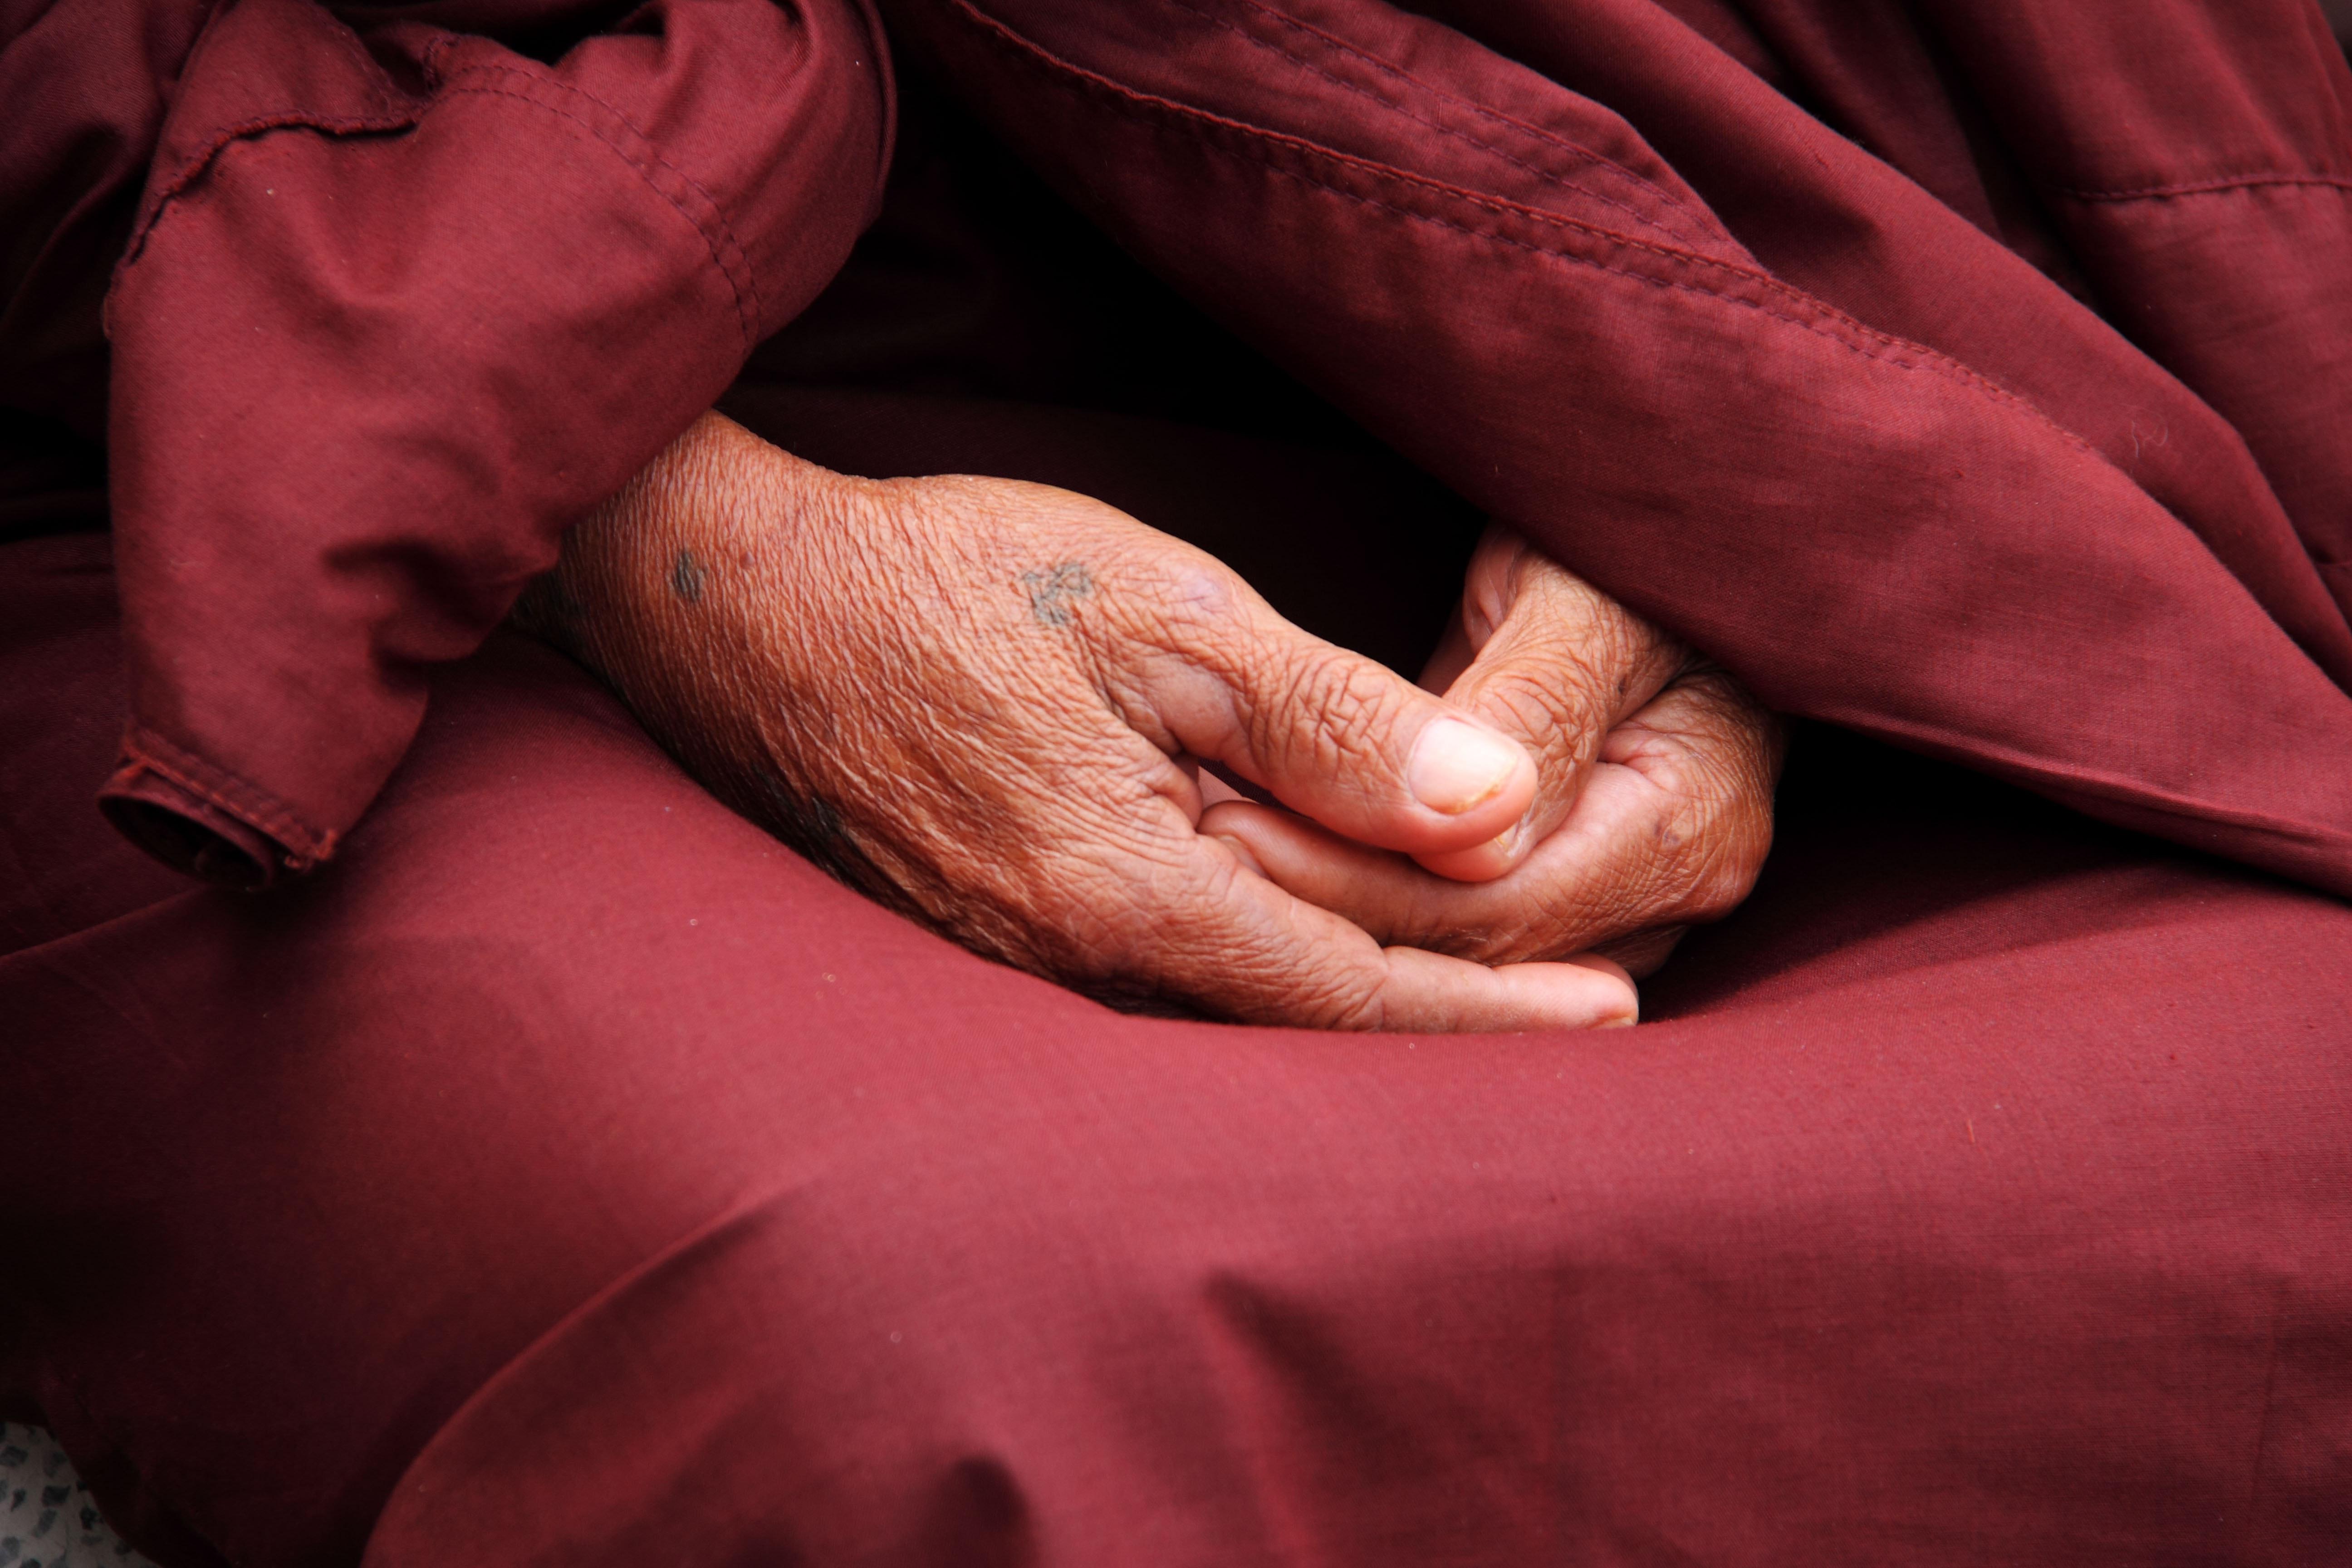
x=569 y=1163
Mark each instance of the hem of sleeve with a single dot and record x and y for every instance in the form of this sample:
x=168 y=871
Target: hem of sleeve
x=202 y=820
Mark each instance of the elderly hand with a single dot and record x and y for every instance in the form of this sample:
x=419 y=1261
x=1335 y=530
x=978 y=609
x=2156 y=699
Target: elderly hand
x=977 y=699
x=1655 y=808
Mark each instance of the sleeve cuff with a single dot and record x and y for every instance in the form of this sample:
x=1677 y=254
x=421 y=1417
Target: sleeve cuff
x=204 y=823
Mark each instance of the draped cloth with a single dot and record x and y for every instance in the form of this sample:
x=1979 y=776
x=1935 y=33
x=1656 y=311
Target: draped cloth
x=548 y=1166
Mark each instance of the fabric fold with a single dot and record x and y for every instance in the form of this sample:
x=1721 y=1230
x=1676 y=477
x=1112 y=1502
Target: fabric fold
x=399 y=304
x=1889 y=472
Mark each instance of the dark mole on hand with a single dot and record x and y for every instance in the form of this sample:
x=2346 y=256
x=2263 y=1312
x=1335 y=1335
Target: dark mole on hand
x=685 y=578
x=1051 y=591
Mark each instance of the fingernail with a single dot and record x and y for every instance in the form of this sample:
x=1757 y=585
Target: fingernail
x=1457 y=766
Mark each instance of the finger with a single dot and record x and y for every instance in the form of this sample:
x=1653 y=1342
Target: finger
x=1556 y=664
x=1207 y=667
x=1429 y=992
x=1216 y=934
x=1592 y=881
x=1672 y=828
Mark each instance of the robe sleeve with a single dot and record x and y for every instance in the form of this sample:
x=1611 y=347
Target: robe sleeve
x=399 y=302
x=1608 y=284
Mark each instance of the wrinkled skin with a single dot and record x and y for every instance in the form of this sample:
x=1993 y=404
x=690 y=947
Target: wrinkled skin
x=1655 y=808
x=985 y=703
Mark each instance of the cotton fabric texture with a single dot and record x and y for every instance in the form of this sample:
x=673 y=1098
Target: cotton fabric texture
x=548 y=1166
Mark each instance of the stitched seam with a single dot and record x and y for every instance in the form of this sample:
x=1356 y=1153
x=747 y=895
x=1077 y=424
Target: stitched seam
x=741 y=282
x=1452 y=133
x=260 y=124
x=430 y=61
x=1139 y=103
x=652 y=154
x=719 y=245
x=2206 y=188
x=388 y=118
x=1482 y=110
x=239 y=796
x=744 y=312
x=1930 y=363
x=214 y=785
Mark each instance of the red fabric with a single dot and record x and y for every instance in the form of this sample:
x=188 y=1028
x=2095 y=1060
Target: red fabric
x=571 y=1173
x=1758 y=383
x=369 y=238
x=1942 y=500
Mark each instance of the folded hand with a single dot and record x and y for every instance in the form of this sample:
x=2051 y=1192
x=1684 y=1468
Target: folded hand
x=1655 y=808
x=972 y=697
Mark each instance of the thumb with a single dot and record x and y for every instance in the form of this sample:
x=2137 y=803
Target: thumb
x=1328 y=733
x=1555 y=664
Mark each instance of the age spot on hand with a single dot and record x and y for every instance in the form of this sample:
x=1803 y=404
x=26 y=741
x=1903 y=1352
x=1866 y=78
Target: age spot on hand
x=1052 y=591
x=685 y=578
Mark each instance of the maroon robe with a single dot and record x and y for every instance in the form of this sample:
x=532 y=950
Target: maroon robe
x=561 y=1170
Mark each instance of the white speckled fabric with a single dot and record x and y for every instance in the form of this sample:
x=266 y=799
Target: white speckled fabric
x=46 y=1517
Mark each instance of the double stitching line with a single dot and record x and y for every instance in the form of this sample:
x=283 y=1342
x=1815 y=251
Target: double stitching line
x=2207 y=187
x=1142 y=105
x=639 y=152
x=1582 y=155
x=229 y=792
x=631 y=145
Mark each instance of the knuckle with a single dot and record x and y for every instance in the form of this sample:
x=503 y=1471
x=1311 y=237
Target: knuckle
x=1729 y=833
x=1686 y=861
x=1733 y=719
x=1342 y=999
x=1342 y=703
x=1720 y=887
x=1180 y=600
x=1201 y=591
x=1557 y=707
